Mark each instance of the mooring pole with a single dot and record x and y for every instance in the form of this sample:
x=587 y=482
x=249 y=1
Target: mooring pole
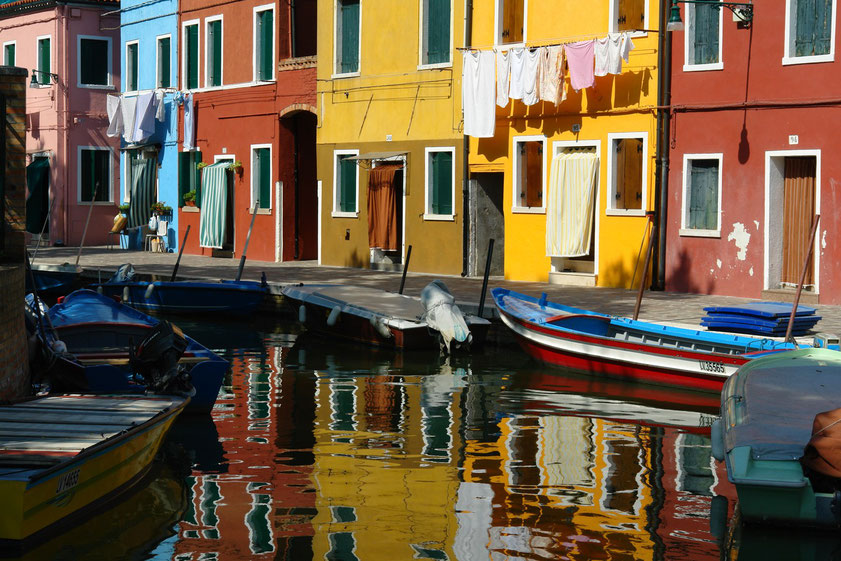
x=485 y=278
x=180 y=251
x=247 y=239
x=405 y=268
x=815 y=221
x=645 y=266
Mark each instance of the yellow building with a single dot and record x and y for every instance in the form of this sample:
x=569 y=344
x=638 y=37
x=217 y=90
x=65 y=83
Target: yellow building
x=544 y=159
x=389 y=141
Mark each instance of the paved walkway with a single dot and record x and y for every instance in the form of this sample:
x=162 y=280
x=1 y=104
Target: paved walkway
x=660 y=306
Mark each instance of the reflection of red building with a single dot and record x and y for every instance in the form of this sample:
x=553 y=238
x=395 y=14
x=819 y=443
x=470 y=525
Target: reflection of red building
x=251 y=69
x=255 y=508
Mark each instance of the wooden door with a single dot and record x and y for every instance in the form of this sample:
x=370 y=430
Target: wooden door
x=798 y=213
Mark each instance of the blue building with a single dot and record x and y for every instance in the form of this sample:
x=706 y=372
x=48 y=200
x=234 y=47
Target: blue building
x=149 y=154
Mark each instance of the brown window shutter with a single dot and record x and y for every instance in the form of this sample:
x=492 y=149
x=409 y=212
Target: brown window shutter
x=534 y=174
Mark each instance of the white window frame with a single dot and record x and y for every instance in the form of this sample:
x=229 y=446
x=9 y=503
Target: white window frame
x=788 y=46
x=688 y=50
x=423 y=7
x=336 y=213
x=110 y=151
x=38 y=60
x=15 y=45
x=515 y=174
x=337 y=40
x=183 y=48
x=257 y=10
x=685 y=231
x=207 y=22
x=613 y=11
x=610 y=210
x=158 y=59
x=254 y=185
x=498 y=26
x=110 y=79
x=427 y=199
x=125 y=78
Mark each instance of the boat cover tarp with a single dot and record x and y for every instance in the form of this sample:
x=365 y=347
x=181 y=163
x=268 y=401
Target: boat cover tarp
x=823 y=453
x=83 y=306
x=781 y=396
x=442 y=314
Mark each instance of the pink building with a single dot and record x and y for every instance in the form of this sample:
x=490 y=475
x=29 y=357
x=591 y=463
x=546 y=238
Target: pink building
x=70 y=49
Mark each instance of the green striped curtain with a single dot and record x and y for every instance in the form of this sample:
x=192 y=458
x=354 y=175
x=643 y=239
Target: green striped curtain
x=142 y=188
x=44 y=61
x=263 y=176
x=164 y=62
x=347 y=185
x=192 y=56
x=349 y=56
x=442 y=183
x=265 y=46
x=813 y=31
x=703 y=195
x=438 y=31
x=214 y=206
x=214 y=40
x=705 y=36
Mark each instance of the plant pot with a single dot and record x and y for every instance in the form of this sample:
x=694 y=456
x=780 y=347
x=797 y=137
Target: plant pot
x=189 y=203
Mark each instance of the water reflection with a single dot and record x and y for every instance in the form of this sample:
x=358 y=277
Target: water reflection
x=324 y=451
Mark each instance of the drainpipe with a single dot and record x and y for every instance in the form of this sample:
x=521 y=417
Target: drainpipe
x=293 y=50
x=61 y=95
x=465 y=180
x=664 y=99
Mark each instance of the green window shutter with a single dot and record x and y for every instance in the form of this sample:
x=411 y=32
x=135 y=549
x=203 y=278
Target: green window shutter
x=214 y=30
x=164 y=63
x=438 y=31
x=265 y=45
x=95 y=175
x=350 y=36
x=9 y=55
x=347 y=186
x=192 y=56
x=94 y=59
x=703 y=195
x=264 y=176
x=189 y=176
x=806 y=24
x=131 y=67
x=442 y=181
x=195 y=160
x=823 y=26
x=44 y=61
x=705 y=40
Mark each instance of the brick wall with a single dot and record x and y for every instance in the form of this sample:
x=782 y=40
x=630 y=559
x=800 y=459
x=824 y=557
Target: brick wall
x=14 y=367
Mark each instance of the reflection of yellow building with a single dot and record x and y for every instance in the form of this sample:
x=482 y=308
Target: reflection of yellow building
x=384 y=472
x=613 y=122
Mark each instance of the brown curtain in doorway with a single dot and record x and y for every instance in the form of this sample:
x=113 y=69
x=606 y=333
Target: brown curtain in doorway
x=382 y=207
x=798 y=213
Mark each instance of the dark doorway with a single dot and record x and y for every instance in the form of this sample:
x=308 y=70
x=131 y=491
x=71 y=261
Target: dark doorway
x=38 y=196
x=488 y=223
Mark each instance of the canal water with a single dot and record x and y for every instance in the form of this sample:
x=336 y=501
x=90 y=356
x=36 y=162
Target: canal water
x=322 y=451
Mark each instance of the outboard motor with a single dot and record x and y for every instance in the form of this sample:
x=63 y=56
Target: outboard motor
x=156 y=359
x=444 y=316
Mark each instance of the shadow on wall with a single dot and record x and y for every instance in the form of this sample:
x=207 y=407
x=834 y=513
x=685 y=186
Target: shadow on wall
x=358 y=261
x=682 y=277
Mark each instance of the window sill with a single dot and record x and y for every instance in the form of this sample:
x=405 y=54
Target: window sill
x=97 y=86
x=791 y=60
x=703 y=67
x=439 y=217
x=262 y=211
x=97 y=203
x=528 y=210
x=189 y=209
x=436 y=66
x=624 y=212
x=346 y=75
x=337 y=214
x=692 y=233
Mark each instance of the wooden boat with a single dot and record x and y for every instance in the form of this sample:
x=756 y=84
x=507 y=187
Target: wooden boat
x=375 y=317
x=188 y=297
x=109 y=340
x=777 y=416
x=61 y=457
x=53 y=279
x=632 y=349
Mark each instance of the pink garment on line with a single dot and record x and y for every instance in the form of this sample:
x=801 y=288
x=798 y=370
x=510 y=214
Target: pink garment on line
x=581 y=61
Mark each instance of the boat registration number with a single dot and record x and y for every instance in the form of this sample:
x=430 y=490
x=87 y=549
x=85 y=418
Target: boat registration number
x=67 y=481
x=708 y=366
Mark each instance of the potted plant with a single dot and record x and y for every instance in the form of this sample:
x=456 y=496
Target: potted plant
x=235 y=167
x=158 y=208
x=189 y=198
x=124 y=208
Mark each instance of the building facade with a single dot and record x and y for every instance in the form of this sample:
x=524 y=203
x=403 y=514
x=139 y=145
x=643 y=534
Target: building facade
x=750 y=162
x=71 y=51
x=247 y=77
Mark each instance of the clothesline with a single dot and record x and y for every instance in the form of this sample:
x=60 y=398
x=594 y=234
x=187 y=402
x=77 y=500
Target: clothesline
x=554 y=42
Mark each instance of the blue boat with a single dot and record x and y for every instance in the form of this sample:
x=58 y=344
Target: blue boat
x=52 y=279
x=185 y=297
x=122 y=350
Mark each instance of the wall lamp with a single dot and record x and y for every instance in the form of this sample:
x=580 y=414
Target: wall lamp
x=742 y=11
x=34 y=82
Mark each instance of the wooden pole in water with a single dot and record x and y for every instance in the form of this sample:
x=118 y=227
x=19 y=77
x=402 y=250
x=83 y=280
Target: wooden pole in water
x=247 y=239
x=180 y=251
x=815 y=221
x=644 y=277
x=485 y=278
x=405 y=268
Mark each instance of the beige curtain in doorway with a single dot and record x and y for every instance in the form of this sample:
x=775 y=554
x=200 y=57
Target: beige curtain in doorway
x=798 y=212
x=569 y=206
x=382 y=207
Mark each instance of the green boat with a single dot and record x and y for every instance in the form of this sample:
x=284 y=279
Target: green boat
x=776 y=413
